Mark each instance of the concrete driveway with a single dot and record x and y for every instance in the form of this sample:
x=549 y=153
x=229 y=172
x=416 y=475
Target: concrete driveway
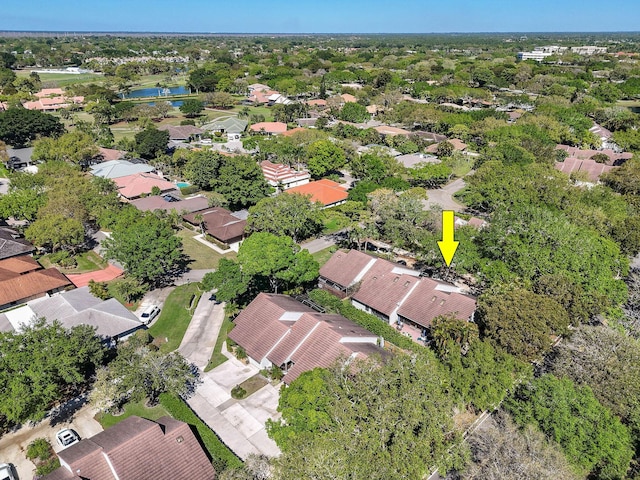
x=13 y=446
x=200 y=338
x=239 y=423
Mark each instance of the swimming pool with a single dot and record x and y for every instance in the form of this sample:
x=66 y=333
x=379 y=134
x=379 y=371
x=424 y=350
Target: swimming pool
x=183 y=184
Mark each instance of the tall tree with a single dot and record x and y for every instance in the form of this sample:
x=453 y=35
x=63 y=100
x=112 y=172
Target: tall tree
x=324 y=157
x=18 y=126
x=151 y=142
x=43 y=363
x=241 y=181
x=147 y=248
x=292 y=215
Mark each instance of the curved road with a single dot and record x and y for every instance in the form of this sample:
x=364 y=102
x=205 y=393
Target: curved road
x=444 y=196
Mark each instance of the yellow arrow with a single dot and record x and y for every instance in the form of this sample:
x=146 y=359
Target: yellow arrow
x=448 y=245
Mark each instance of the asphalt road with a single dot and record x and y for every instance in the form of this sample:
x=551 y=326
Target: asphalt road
x=444 y=196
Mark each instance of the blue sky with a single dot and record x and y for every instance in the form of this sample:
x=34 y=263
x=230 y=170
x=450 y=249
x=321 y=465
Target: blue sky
x=317 y=16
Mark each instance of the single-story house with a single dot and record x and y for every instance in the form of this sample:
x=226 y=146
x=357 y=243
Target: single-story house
x=430 y=136
x=410 y=160
x=282 y=176
x=138 y=184
x=52 y=99
x=458 y=146
x=108 y=154
x=76 y=307
x=232 y=127
x=307 y=122
x=269 y=128
x=615 y=158
x=119 y=168
x=278 y=330
x=170 y=202
x=388 y=130
x=591 y=168
x=182 y=133
x=278 y=99
x=221 y=224
x=392 y=292
x=474 y=222
x=327 y=192
x=19 y=158
x=13 y=244
x=23 y=279
x=136 y=448
x=348 y=98
x=317 y=102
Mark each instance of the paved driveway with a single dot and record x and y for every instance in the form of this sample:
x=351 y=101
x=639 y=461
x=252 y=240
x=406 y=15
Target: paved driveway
x=200 y=338
x=13 y=446
x=239 y=423
x=444 y=196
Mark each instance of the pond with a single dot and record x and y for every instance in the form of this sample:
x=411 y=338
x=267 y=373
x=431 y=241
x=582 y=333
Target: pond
x=157 y=92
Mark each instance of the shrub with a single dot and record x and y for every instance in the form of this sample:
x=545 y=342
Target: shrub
x=221 y=457
x=190 y=190
x=47 y=467
x=40 y=448
x=63 y=259
x=99 y=290
x=241 y=353
x=238 y=392
x=188 y=122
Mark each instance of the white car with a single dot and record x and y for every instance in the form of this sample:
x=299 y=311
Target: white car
x=67 y=437
x=6 y=472
x=149 y=313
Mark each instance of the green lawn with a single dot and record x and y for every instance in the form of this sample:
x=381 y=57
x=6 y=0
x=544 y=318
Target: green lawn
x=63 y=79
x=176 y=315
x=323 y=256
x=334 y=221
x=86 y=262
x=217 y=358
x=253 y=384
x=203 y=257
x=135 y=408
x=4 y=173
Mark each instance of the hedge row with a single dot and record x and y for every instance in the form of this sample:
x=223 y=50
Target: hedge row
x=222 y=457
x=364 y=319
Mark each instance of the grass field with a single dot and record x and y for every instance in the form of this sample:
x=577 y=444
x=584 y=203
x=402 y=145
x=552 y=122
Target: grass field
x=86 y=262
x=176 y=315
x=217 y=358
x=135 y=408
x=63 y=79
x=203 y=257
x=323 y=256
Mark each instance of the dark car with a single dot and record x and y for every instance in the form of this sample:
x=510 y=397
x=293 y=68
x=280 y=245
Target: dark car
x=214 y=299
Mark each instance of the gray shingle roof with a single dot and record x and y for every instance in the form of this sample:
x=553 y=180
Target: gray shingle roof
x=11 y=244
x=119 y=168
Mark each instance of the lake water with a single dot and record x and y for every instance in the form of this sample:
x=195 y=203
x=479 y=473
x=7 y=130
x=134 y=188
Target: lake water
x=157 y=92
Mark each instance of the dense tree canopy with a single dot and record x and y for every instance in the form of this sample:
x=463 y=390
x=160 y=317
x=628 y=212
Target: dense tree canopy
x=18 y=126
x=151 y=142
x=41 y=364
x=292 y=215
x=591 y=437
x=147 y=248
x=399 y=410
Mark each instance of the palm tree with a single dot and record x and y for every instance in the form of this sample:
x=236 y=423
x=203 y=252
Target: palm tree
x=200 y=219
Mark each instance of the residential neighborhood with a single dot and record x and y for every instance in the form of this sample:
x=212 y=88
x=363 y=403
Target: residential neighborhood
x=330 y=256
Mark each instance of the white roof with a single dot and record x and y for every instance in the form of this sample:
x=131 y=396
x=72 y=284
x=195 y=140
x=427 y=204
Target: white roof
x=119 y=168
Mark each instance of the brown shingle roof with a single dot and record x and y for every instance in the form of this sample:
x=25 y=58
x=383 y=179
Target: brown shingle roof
x=138 y=449
x=426 y=303
x=343 y=268
x=590 y=167
x=181 y=132
x=219 y=223
x=282 y=330
x=384 y=287
x=32 y=284
x=157 y=202
x=13 y=266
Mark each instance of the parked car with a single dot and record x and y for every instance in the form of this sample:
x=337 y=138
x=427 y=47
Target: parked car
x=149 y=313
x=214 y=299
x=67 y=437
x=6 y=472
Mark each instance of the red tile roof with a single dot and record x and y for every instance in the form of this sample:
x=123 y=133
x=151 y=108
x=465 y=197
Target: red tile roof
x=276 y=173
x=348 y=98
x=317 y=102
x=614 y=157
x=137 y=449
x=13 y=266
x=133 y=186
x=269 y=127
x=324 y=191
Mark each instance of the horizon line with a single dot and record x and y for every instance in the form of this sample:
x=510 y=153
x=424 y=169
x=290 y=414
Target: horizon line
x=319 y=33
